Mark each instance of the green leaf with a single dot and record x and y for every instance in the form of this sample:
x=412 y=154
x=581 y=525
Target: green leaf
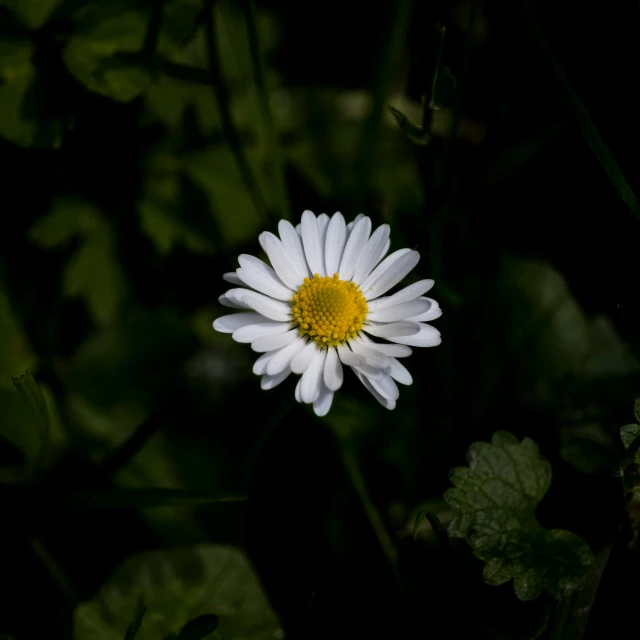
x=215 y=172
x=495 y=499
x=94 y=271
x=160 y=208
x=629 y=433
x=15 y=352
x=30 y=393
x=32 y=13
x=197 y=629
x=136 y=622
x=105 y=31
x=137 y=499
x=22 y=112
x=178 y=586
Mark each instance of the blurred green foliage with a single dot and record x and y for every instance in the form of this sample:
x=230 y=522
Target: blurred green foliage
x=139 y=163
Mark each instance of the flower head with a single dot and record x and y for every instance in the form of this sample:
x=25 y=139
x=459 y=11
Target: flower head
x=321 y=305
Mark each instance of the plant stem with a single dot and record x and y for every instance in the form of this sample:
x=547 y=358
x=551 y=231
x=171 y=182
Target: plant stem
x=55 y=570
x=375 y=519
x=221 y=92
x=266 y=117
x=575 y=106
x=365 y=153
x=128 y=449
x=150 y=44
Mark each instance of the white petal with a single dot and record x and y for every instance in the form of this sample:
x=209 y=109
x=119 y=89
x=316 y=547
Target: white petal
x=370 y=371
x=391 y=350
x=260 y=365
x=402 y=311
x=262 y=278
x=282 y=358
x=274 y=309
x=286 y=265
x=348 y=357
x=353 y=223
x=353 y=249
x=270 y=381
x=273 y=342
x=298 y=397
x=386 y=387
x=311 y=243
x=428 y=336
x=384 y=251
x=293 y=246
x=334 y=243
x=323 y=223
x=312 y=377
x=389 y=272
x=299 y=229
x=227 y=302
x=432 y=314
x=261 y=238
x=399 y=372
x=322 y=404
x=372 y=253
x=371 y=355
x=333 y=375
x=302 y=359
x=253 y=331
x=229 y=324
x=232 y=277
x=385 y=402
x=392 y=329
x=411 y=292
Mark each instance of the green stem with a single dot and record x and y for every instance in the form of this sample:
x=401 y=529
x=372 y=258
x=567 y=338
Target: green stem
x=266 y=117
x=130 y=447
x=221 y=92
x=375 y=519
x=153 y=31
x=576 y=107
x=391 y=55
x=56 y=571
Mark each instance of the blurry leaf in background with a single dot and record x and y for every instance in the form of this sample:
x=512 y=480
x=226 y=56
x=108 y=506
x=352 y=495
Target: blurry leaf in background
x=23 y=116
x=94 y=271
x=628 y=434
x=28 y=420
x=160 y=211
x=32 y=13
x=169 y=98
x=177 y=586
x=15 y=352
x=137 y=361
x=104 y=30
x=215 y=172
x=495 y=499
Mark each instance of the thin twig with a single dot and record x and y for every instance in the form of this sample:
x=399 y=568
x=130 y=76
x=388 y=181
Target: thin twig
x=221 y=92
x=266 y=117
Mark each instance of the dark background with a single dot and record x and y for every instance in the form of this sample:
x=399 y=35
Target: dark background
x=123 y=206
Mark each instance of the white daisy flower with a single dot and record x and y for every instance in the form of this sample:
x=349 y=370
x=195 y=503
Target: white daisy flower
x=321 y=304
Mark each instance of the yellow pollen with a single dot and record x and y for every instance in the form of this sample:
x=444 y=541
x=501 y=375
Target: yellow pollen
x=329 y=310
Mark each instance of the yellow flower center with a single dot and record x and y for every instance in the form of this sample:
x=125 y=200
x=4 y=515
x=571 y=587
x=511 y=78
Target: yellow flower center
x=328 y=310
